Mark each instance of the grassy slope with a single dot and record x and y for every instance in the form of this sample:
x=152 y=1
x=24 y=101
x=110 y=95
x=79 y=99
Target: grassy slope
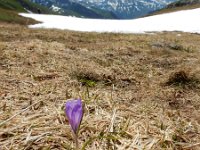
x=11 y=5
x=9 y=10
x=181 y=3
x=174 y=9
x=19 y=5
x=148 y=84
x=34 y=7
x=13 y=17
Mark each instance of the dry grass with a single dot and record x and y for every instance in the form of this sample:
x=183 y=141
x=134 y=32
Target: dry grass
x=174 y=9
x=121 y=79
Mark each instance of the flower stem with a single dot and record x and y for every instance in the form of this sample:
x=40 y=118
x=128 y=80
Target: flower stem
x=76 y=141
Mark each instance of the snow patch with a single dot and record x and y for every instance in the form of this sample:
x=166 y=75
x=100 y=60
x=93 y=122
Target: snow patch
x=185 y=21
x=30 y=12
x=55 y=8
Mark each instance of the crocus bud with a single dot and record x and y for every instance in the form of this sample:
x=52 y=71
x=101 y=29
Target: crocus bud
x=74 y=113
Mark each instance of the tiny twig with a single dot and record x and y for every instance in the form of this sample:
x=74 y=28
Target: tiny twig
x=18 y=113
x=113 y=120
x=190 y=146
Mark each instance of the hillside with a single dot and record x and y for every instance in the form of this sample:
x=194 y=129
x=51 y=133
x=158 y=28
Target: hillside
x=9 y=10
x=23 y=6
x=179 y=5
x=141 y=91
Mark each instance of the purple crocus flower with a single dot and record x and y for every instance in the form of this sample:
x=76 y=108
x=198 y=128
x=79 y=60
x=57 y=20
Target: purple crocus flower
x=74 y=113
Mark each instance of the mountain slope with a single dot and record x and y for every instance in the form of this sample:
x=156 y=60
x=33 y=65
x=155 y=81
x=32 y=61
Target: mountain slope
x=126 y=9
x=122 y=9
x=67 y=7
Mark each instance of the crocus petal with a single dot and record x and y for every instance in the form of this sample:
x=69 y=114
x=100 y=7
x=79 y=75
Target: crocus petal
x=68 y=108
x=77 y=115
x=74 y=113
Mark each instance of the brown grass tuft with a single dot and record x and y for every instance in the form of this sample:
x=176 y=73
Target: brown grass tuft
x=183 y=79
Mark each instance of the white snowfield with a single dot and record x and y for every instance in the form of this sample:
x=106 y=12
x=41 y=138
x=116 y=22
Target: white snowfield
x=185 y=21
